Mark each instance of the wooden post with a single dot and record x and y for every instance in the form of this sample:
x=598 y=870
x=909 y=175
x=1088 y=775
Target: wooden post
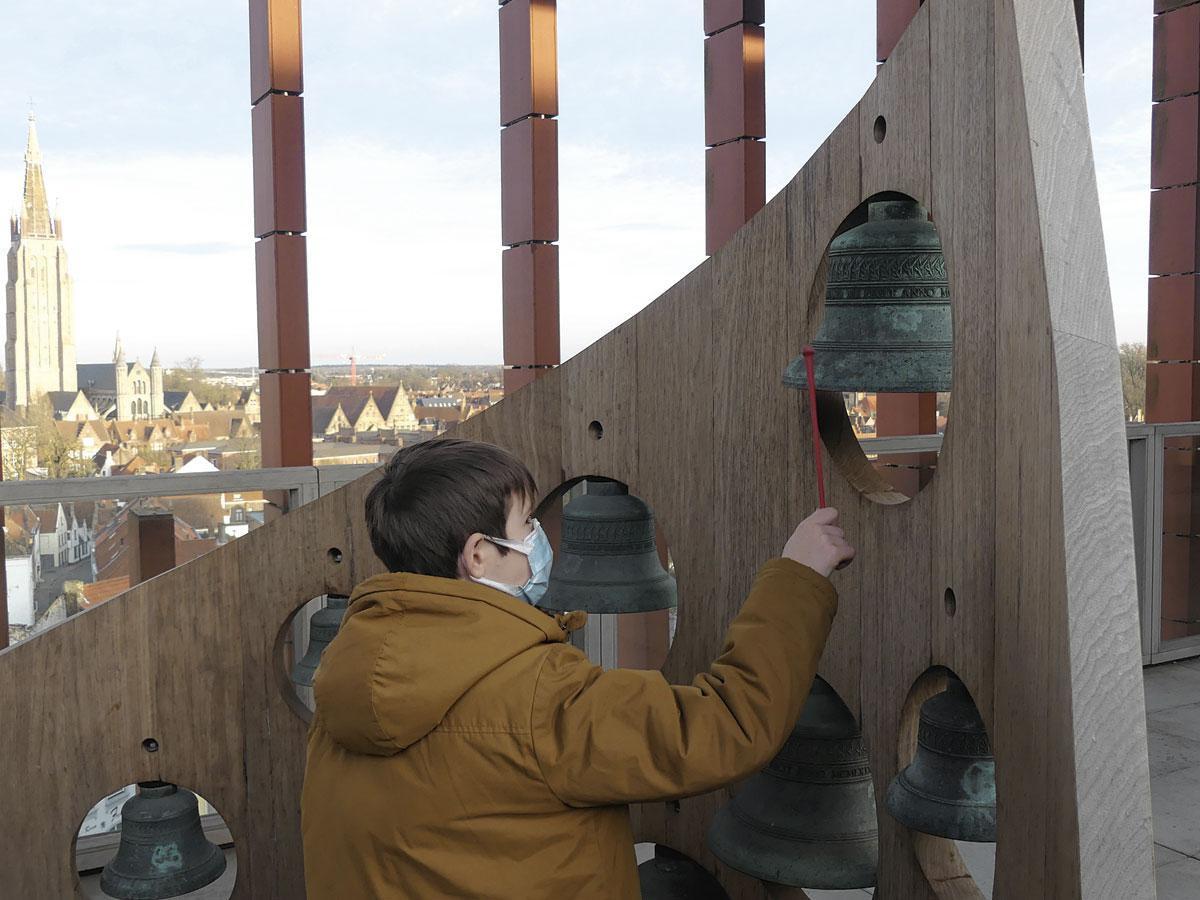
x=529 y=188
x=280 y=256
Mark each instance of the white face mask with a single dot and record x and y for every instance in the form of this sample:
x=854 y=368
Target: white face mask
x=536 y=547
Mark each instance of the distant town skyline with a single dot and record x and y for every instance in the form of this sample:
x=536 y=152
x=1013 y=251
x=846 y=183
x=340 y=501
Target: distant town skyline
x=154 y=185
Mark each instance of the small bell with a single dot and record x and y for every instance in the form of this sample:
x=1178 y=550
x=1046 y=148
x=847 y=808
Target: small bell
x=607 y=561
x=808 y=819
x=672 y=876
x=163 y=850
x=949 y=789
x=323 y=625
x=887 y=324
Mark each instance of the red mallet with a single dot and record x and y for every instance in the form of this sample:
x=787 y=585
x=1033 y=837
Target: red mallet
x=816 y=431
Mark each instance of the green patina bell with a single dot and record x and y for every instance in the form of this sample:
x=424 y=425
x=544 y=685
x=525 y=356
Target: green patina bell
x=607 y=561
x=673 y=876
x=887 y=320
x=163 y=850
x=323 y=625
x=808 y=819
x=949 y=789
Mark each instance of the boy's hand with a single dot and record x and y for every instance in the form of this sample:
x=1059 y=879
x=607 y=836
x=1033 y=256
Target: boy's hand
x=819 y=543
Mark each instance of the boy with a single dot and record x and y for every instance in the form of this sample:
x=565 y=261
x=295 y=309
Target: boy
x=461 y=748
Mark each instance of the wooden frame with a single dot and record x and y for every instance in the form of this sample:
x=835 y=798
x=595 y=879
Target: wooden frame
x=1028 y=519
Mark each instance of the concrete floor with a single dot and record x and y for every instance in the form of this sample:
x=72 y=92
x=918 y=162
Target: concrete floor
x=1173 y=719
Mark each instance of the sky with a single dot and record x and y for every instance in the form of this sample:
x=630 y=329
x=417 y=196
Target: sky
x=143 y=118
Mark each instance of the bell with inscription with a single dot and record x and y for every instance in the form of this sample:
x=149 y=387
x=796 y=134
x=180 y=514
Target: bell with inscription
x=163 y=850
x=949 y=789
x=887 y=323
x=607 y=561
x=808 y=819
x=323 y=625
x=673 y=876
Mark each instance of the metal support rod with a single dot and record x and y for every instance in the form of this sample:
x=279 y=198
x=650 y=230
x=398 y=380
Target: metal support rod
x=280 y=253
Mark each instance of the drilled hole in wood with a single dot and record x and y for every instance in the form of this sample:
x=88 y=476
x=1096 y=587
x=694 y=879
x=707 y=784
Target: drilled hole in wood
x=150 y=745
x=335 y=555
x=880 y=129
x=883 y=350
x=951 y=602
x=154 y=839
x=595 y=430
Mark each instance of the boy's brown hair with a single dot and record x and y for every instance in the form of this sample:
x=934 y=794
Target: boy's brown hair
x=435 y=495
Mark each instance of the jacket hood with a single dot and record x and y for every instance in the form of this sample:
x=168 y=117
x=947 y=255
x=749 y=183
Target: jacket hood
x=409 y=647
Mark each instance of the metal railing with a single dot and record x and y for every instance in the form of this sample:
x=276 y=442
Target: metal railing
x=1147 y=447
x=303 y=484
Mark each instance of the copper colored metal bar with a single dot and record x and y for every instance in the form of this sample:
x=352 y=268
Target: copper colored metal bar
x=1172 y=343
x=529 y=188
x=280 y=258
x=735 y=117
x=891 y=19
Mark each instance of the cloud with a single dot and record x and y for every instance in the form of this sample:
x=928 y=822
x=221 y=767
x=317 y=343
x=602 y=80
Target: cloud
x=403 y=167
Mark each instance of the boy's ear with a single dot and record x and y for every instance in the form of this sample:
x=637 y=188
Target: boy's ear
x=471 y=563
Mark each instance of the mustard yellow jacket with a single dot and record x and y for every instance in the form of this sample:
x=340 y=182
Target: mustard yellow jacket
x=461 y=748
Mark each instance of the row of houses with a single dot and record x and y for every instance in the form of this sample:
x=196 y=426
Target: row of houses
x=37 y=542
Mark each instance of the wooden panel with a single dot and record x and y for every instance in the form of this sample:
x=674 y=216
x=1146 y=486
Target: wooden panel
x=529 y=424
x=600 y=386
x=813 y=227
x=894 y=123
x=198 y=692
x=962 y=204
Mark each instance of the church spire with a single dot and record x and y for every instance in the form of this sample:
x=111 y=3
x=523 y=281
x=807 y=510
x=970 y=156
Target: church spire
x=35 y=215
x=118 y=351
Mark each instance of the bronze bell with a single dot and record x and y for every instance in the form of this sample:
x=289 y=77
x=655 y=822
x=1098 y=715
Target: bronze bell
x=672 y=876
x=163 y=850
x=887 y=323
x=607 y=561
x=949 y=789
x=808 y=819
x=323 y=625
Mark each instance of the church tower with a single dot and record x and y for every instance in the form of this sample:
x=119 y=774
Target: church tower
x=39 y=349
x=156 y=387
x=121 y=385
